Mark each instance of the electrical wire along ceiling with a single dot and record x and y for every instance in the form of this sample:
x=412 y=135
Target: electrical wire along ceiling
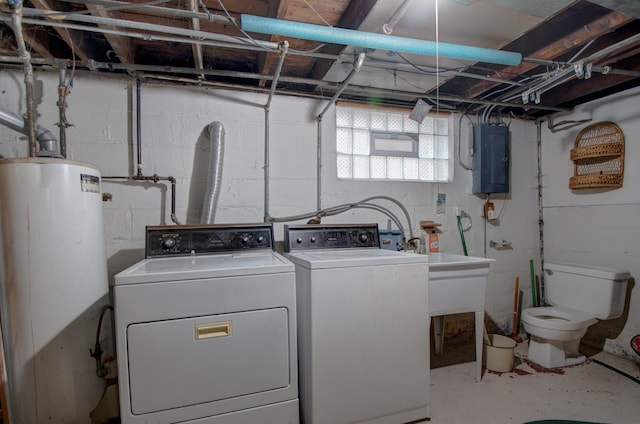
x=523 y=58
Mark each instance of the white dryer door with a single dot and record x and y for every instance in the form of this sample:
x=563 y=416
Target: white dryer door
x=182 y=362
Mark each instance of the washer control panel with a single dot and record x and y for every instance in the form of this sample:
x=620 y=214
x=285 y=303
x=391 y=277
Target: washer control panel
x=306 y=237
x=181 y=240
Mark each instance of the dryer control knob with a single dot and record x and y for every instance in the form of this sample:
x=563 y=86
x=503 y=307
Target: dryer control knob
x=168 y=243
x=363 y=238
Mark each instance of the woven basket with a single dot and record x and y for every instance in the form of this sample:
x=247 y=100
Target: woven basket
x=598 y=150
x=598 y=157
x=595 y=181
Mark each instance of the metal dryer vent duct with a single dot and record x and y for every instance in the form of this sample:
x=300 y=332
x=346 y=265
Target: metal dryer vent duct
x=215 y=132
x=46 y=139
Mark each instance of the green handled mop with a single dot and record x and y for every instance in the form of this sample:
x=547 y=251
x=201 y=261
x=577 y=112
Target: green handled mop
x=533 y=285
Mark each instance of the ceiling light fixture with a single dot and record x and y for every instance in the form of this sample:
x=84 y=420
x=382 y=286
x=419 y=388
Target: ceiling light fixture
x=326 y=34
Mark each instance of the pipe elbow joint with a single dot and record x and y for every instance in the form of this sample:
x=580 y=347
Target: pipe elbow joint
x=357 y=65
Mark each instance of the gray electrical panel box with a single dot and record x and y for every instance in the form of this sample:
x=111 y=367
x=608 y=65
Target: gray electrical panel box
x=490 y=159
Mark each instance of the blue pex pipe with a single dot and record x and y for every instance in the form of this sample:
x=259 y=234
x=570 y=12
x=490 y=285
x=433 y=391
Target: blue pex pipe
x=352 y=37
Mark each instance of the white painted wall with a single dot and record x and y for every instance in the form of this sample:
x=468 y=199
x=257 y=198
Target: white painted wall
x=102 y=112
x=597 y=226
x=173 y=118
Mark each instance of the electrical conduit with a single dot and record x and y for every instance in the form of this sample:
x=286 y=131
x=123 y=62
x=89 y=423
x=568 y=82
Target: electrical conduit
x=357 y=65
x=284 y=48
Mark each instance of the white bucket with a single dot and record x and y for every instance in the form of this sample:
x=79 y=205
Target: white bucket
x=499 y=356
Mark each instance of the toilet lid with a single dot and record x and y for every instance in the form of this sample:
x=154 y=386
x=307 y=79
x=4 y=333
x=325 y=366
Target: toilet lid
x=558 y=318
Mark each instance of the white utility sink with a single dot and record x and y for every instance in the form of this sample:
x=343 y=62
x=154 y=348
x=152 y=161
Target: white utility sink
x=457 y=284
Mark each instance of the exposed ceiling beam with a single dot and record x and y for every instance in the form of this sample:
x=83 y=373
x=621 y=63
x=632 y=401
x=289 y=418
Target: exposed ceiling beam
x=311 y=11
x=119 y=33
x=38 y=40
x=630 y=7
x=267 y=60
x=549 y=31
x=196 y=49
x=577 y=91
x=554 y=50
x=121 y=46
x=74 y=39
x=352 y=18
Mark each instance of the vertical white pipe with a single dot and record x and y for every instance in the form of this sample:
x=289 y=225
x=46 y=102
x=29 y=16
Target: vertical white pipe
x=197 y=48
x=284 y=47
x=23 y=53
x=357 y=65
x=399 y=13
x=267 y=161
x=319 y=165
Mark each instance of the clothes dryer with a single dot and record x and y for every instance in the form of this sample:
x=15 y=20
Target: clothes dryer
x=206 y=329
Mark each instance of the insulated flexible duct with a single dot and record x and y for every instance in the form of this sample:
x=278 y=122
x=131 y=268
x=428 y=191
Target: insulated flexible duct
x=46 y=139
x=216 y=136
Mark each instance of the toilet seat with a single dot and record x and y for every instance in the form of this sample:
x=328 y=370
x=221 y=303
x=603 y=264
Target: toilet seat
x=555 y=334
x=558 y=318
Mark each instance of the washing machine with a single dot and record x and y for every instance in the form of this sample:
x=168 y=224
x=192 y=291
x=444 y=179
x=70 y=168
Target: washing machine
x=363 y=326
x=206 y=329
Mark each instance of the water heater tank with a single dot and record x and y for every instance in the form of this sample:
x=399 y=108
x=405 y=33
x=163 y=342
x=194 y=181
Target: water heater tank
x=53 y=284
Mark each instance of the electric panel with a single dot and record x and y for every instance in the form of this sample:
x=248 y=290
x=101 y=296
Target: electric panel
x=490 y=159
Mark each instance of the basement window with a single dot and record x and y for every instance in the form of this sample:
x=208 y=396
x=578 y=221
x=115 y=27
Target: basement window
x=381 y=144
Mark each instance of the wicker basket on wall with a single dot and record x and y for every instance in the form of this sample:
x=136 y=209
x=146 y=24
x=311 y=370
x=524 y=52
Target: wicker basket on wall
x=598 y=157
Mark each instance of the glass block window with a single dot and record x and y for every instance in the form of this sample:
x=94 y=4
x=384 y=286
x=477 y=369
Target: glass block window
x=365 y=149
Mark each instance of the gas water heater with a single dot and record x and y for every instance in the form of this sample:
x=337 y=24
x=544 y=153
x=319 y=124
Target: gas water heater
x=53 y=285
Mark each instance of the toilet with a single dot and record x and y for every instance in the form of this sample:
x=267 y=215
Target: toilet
x=579 y=296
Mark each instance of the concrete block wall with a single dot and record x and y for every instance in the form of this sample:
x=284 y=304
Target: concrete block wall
x=102 y=111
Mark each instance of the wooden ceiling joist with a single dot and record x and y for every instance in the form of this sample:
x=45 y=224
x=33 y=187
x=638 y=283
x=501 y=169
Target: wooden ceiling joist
x=122 y=46
x=73 y=38
x=551 y=52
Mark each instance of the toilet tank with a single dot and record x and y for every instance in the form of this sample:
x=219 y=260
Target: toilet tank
x=597 y=290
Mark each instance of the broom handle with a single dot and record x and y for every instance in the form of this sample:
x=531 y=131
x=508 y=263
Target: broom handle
x=464 y=245
x=534 y=296
x=514 y=331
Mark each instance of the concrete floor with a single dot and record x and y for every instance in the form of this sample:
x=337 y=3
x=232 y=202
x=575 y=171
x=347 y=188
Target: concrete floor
x=587 y=392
